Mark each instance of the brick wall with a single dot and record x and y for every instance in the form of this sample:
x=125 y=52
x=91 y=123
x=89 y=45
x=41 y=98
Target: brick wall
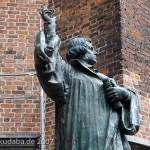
x=136 y=56
x=18 y=27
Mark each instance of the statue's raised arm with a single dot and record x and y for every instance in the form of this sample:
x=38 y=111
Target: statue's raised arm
x=48 y=63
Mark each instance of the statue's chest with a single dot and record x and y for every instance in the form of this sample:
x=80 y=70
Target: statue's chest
x=85 y=77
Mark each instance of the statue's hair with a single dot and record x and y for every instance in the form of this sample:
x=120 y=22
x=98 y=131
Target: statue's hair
x=77 y=48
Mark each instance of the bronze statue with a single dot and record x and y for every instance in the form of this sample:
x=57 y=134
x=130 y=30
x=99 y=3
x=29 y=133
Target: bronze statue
x=92 y=112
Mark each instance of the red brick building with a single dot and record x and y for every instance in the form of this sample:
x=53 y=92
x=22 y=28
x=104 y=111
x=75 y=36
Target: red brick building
x=119 y=31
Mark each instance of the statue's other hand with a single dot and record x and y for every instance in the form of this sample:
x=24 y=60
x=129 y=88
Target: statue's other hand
x=117 y=94
x=45 y=14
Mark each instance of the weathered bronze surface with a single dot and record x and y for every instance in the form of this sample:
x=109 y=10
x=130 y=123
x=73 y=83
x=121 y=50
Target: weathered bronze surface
x=92 y=112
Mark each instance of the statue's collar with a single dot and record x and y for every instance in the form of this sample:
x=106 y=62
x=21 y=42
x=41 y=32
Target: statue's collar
x=88 y=70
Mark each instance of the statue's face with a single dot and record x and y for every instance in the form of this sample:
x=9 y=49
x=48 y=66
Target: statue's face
x=90 y=57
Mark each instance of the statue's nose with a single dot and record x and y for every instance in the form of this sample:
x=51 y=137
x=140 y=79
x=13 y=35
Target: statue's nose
x=95 y=53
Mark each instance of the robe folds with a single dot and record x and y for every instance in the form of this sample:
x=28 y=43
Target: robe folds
x=85 y=120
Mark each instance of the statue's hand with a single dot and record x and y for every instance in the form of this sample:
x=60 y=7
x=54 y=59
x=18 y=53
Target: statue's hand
x=45 y=14
x=117 y=94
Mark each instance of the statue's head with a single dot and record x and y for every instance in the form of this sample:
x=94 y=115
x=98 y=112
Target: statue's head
x=82 y=49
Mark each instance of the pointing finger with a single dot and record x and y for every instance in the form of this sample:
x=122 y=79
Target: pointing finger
x=40 y=13
x=114 y=100
x=111 y=93
x=110 y=97
x=109 y=89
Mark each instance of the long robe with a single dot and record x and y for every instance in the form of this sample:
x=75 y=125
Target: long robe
x=85 y=120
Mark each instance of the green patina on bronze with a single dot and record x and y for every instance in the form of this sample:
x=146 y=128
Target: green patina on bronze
x=92 y=112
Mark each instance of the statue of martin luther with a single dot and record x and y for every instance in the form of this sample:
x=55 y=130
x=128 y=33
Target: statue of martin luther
x=92 y=112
